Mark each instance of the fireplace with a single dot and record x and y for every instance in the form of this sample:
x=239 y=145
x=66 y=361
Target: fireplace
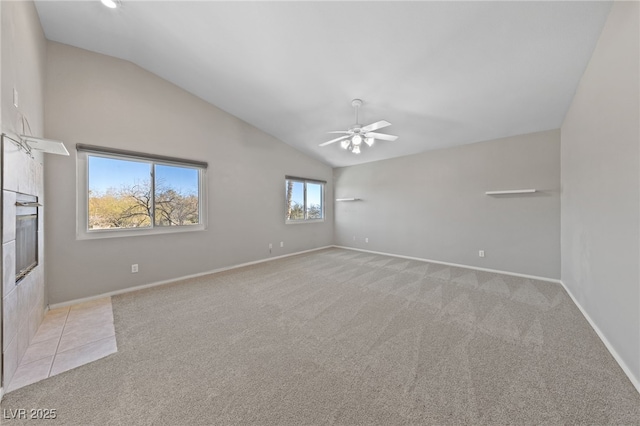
x=26 y=235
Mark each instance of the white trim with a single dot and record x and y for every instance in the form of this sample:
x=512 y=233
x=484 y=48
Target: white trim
x=95 y=234
x=459 y=265
x=614 y=353
x=302 y=221
x=634 y=380
x=511 y=191
x=172 y=280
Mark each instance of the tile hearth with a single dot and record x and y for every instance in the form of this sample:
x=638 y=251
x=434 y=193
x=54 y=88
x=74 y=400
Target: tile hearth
x=67 y=338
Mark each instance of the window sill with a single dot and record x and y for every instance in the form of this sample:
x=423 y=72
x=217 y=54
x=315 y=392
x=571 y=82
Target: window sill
x=128 y=232
x=301 y=222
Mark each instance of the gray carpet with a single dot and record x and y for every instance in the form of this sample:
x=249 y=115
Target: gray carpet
x=344 y=337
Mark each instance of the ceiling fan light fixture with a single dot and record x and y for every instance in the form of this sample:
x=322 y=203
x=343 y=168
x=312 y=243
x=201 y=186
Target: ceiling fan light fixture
x=357 y=133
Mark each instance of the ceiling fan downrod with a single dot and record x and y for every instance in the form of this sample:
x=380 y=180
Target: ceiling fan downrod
x=356 y=103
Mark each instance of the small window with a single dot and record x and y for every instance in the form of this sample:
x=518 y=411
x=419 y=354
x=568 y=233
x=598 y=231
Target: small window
x=304 y=200
x=124 y=193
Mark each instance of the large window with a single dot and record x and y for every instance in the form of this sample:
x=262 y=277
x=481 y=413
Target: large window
x=138 y=193
x=304 y=200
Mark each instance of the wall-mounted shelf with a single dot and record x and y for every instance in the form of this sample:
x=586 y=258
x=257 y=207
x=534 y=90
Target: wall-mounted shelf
x=511 y=191
x=347 y=199
x=32 y=143
x=49 y=146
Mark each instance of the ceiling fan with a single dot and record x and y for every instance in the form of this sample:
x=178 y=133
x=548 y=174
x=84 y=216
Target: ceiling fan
x=353 y=138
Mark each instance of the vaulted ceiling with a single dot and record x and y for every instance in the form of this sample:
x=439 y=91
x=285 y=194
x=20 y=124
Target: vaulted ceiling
x=443 y=73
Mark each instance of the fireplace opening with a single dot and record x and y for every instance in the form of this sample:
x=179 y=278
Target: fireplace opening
x=26 y=235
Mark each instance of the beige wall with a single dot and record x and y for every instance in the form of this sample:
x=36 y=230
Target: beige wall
x=601 y=187
x=99 y=100
x=433 y=205
x=23 y=64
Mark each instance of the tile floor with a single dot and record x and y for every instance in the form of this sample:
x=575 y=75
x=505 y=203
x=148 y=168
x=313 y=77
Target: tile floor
x=67 y=338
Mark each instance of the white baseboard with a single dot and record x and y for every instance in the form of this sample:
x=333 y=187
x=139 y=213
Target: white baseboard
x=610 y=348
x=172 y=280
x=459 y=265
x=634 y=380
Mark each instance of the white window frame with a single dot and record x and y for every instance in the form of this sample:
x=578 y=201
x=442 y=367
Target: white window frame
x=322 y=200
x=82 y=193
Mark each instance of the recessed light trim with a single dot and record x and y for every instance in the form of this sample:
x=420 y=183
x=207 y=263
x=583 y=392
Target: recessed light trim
x=111 y=4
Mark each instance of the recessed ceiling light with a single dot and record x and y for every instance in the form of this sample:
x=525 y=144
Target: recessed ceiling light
x=111 y=4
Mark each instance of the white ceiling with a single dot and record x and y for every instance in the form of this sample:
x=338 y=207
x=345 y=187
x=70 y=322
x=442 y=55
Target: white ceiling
x=443 y=73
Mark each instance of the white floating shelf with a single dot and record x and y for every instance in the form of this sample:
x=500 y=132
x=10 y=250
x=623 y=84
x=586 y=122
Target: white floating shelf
x=511 y=191
x=347 y=199
x=46 y=145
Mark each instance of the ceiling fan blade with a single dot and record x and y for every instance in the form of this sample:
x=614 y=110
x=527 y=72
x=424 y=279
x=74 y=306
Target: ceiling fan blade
x=340 y=131
x=334 y=140
x=380 y=136
x=375 y=126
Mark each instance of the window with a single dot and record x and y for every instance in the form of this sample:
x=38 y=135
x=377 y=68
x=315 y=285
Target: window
x=126 y=193
x=304 y=200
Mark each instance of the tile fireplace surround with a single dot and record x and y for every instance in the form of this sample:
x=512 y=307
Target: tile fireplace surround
x=23 y=305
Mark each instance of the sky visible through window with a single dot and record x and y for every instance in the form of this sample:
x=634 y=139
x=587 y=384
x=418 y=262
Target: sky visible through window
x=108 y=173
x=314 y=193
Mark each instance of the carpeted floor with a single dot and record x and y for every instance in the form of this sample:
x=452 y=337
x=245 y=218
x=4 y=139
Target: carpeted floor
x=344 y=337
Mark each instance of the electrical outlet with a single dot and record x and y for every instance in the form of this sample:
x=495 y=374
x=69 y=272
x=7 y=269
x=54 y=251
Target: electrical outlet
x=481 y=253
x=354 y=238
x=366 y=240
x=134 y=268
x=281 y=243
x=270 y=246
